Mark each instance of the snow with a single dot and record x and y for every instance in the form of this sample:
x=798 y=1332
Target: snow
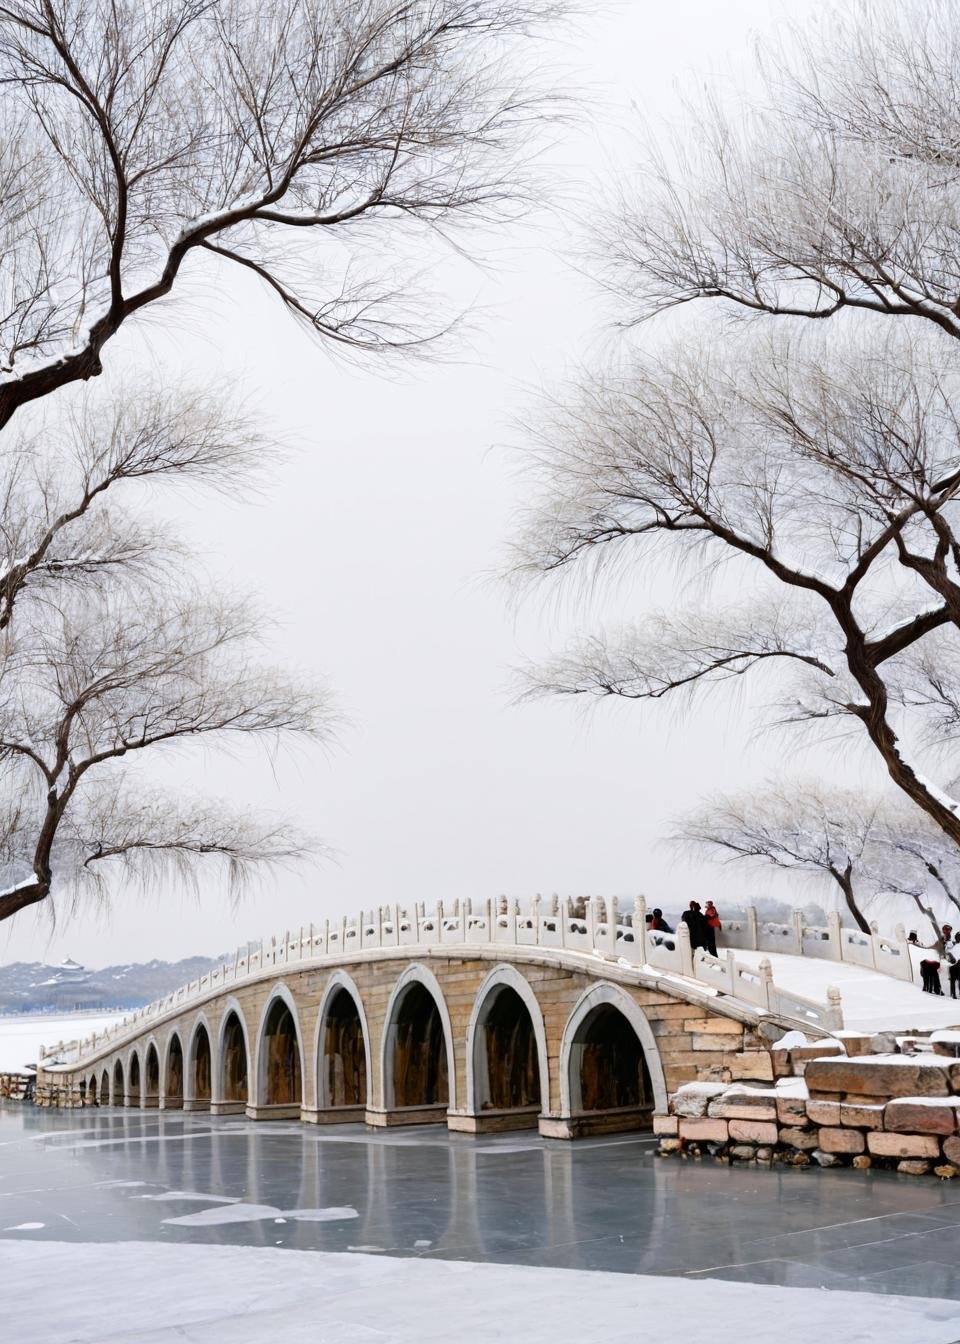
x=21 y=1036
x=70 y=1293
x=256 y=1213
x=927 y=1101
x=922 y=1061
x=793 y=1040
x=871 y=1001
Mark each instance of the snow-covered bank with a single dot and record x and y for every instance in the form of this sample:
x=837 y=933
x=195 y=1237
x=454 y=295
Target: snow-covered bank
x=870 y=1000
x=65 y=1293
x=22 y=1036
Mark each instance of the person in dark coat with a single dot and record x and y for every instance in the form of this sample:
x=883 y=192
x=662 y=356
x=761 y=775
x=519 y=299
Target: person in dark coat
x=953 y=957
x=695 y=922
x=713 y=926
x=657 y=921
x=930 y=974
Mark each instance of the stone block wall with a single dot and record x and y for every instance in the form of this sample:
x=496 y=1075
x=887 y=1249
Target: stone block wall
x=855 y=1101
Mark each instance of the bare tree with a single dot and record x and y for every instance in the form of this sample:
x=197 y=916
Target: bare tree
x=105 y=655
x=802 y=829
x=827 y=477
x=834 y=189
x=134 y=137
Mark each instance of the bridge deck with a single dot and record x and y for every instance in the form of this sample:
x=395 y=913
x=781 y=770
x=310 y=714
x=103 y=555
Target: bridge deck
x=871 y=1001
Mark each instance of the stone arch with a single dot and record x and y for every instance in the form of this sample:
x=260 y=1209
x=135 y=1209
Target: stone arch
x=596 y=1026
x=173 y=1073
x=198 y=1080
x=118 y=1088
x=105 y=1088
x=151 y=1075
x=438 y=1074
x=83 y=1091
x=233 y=1053
x=508 y=986
x=280 y=1070
x=93 y=1097
x=134 y=1095
x=342 y=1034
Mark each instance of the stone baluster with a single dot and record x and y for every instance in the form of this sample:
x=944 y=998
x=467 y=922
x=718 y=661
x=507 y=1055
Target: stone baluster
x=492 y=906
x=753 y=935
x=685 y=949
x=640 y=926
x=834 y=1009
x=535 y=915
x=613 y=915
x=591 y=921
x=766 y=982
x=835 y=938
x=798 y=930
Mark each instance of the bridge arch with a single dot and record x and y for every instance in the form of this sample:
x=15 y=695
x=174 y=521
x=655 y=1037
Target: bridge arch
x=342 y=1034
x=105 y=1088
x=134 y=1096
x=596 y=1025
x=151 y=1075
x=279 y=1068
x=198 y=1081
x=117 y=1096
x=232 y=1092
x=507 y=1024
x=173 y=1073
x=92 y=1094
x=433 y=1062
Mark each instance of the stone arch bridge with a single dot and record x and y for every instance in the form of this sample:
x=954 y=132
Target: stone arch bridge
x=570 y=1017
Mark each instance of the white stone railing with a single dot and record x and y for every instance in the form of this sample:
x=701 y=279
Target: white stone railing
x=586 y=925
x=890 y=956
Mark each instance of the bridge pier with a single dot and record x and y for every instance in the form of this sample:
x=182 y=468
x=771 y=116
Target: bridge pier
x=274 y=1111
x=434 y=1114
x=494 y=1122
x=228 y=1107
x=334 y=1115
x=619 y=1120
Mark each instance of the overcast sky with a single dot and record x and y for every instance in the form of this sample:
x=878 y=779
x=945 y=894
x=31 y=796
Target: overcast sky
x=374 y=551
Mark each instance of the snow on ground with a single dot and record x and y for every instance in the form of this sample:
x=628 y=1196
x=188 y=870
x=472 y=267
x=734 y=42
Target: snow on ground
x=870 y=1001
x=66 y=1293
x=22 y=1035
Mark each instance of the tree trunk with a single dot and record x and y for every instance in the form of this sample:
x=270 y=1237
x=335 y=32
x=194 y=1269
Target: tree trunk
x=845 y=883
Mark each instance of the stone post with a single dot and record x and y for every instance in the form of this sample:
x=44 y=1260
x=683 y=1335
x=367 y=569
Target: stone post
x=752 y=927
x=835 y=939
x=591 y=922
x=766 y=981
x=686 y=951
x=798 y=930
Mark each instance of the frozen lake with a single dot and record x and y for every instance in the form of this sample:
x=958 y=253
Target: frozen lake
x=141 y=1226
x=606 y=1204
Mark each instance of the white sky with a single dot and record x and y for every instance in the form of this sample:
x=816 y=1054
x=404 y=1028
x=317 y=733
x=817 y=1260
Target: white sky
x=374 y=550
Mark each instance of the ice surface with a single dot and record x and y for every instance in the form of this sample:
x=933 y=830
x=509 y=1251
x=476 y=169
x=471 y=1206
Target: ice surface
x=255 y=1213
x=69 y=1293
x=22 y=1036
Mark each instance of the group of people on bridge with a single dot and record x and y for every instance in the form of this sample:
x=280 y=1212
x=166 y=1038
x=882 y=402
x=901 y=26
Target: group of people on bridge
x=703 y=925
x=930 y=966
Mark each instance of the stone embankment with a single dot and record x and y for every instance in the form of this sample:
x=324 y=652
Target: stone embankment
x=15 y=1086
x=849 y=1100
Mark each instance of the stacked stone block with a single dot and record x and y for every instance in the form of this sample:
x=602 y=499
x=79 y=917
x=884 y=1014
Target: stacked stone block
x=832 y=1102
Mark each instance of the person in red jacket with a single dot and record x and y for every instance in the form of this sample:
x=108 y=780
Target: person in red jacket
x=712 y=917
